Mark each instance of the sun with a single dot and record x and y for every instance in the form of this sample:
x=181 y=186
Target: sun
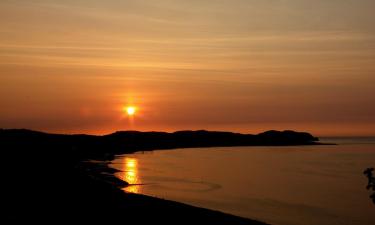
x=130 y=110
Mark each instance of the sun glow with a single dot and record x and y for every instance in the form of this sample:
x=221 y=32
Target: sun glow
x=130 y=110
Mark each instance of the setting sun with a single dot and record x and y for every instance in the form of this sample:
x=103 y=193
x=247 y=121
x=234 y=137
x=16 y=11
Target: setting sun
x=177 y=111
x=130 y=110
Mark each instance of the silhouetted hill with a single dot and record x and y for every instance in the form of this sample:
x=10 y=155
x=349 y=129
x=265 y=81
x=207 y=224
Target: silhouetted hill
x=131 y=141
x=47 y=176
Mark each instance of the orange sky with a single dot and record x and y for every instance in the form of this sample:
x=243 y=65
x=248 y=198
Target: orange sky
x=242 y=65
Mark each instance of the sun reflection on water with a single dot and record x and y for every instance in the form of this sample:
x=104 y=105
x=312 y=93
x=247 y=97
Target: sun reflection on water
x=130 y=174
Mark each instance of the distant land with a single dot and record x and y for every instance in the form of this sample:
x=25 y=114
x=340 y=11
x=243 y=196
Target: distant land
x=48 y=176
x=122 y=142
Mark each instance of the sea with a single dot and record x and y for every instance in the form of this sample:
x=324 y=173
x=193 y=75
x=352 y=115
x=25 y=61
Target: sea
x=280 y=185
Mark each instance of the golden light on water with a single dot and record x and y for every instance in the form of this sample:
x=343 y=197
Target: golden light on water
x=131 y=175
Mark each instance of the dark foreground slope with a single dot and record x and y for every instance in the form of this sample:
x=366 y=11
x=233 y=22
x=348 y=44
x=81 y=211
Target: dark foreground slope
x=47 y=180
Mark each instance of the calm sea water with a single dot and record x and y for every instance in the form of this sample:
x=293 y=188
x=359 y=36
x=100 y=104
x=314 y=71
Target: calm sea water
x=279 y=185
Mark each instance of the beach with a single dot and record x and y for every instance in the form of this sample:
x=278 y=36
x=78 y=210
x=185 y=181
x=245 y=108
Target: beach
x=48 y=178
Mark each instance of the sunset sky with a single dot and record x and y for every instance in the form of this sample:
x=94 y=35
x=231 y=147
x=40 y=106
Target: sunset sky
x=238 y=65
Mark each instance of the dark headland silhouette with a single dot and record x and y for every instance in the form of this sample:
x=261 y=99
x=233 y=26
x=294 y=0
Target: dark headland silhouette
x=48 y=178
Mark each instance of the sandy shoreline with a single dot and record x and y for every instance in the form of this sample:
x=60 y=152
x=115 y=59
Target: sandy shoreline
x=46 y=179
x=102 y=175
